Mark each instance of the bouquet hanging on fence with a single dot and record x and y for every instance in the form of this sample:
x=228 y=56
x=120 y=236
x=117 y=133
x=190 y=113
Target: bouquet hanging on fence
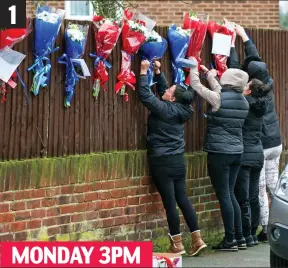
x=106 y=34
x=8 y=38
x=133 y=36
x=47 y=25
x=224 y=33
x=75 y=42
x=153 y=48
x=178 y=41
x=198 y=24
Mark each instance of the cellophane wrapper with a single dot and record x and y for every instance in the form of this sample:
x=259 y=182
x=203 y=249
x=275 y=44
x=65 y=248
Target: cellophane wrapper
x=47 y=26
x=106 y=35
x=74 y=49
x=10 y=37
x=131 y=42
x=198 y=24
x=153 y=49
x=220 y=60
x=178 y=44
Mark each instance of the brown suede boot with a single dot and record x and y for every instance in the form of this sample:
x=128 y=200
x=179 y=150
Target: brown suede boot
x=197 y=244
x=176 y=244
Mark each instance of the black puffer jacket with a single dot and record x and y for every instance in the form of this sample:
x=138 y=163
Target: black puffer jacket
x=256 y=68
x=224 y=129
x=252 y=128
x=165 y=133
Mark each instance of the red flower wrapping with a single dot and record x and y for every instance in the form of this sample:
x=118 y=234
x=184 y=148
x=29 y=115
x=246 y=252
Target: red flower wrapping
x=199 y=28
x=106 y=37
x=10 y=37
x=131 y=42
x=220 y=60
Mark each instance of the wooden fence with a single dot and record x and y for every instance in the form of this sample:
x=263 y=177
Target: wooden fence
x=45 y=127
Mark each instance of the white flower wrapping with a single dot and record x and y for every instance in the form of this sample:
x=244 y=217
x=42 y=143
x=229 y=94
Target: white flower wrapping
x=183 y=32
x=74 y=33
x=48 y=17
x=153 y=37
x=137 y=27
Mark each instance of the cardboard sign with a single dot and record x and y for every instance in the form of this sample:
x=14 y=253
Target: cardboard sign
x=9 y=61
x=221 y=44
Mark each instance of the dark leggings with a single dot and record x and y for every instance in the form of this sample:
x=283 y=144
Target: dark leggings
x=223 y=170
x=247 y=194
x=169 y=179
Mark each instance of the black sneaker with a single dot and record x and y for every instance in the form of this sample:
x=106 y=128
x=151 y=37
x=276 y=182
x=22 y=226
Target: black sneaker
x=250 y=241
x=242 y=244
x=256 y=242
x=226 y=246
x=262 y=237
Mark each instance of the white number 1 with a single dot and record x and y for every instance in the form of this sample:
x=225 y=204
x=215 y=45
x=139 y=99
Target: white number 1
x=13 y=14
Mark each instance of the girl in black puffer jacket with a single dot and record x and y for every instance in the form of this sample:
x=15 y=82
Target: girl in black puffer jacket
x=270 y=132
x=165 y=148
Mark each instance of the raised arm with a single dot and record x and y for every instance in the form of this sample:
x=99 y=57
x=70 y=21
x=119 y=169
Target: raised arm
x=160 y=79
x=146 y=95
x=250 y=48
x=212 y=97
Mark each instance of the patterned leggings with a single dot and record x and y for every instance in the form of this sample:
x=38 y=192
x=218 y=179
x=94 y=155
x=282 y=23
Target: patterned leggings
x=268 y=180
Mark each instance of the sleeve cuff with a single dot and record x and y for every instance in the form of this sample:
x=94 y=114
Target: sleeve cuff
x=144 y=79
x=248 y=43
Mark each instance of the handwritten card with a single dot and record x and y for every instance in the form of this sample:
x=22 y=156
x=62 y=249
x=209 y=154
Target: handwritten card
x=81 y=68
x=221 y=44
x=9 y=61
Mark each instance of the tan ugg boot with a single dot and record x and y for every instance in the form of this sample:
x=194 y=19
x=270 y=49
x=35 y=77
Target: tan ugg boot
x=176 y=244
x=197 y=244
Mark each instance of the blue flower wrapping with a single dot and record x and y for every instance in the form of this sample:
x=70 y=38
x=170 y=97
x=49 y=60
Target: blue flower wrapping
x=73 y=50
x=150 y=51
x=178 y=44
x=45 y=35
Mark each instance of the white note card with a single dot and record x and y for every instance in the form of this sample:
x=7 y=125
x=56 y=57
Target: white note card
x=9 y=61
x=81 y=68
x=221 y=44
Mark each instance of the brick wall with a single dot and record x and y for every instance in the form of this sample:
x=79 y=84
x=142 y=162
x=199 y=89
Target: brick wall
x=96 y=197
x=105 y=196
x=249 y=13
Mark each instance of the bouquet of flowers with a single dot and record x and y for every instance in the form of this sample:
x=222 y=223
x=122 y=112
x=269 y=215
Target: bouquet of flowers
x=198 y=24
x=75 y=41
x=10 y=37
x=133 y=36
x=220 y=60
x=178 y=40
x=47 y=25
x=153 y=48
x=106 y=34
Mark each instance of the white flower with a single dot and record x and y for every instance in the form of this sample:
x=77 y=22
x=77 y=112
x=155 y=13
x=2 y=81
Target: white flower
x=183 y=32
x=48 y=17
x=153 y=37
x=75 y=34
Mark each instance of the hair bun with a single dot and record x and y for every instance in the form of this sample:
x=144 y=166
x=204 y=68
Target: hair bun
x=187 y=97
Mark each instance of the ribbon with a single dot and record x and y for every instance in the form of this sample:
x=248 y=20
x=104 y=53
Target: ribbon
x=121 y=86
x=24 y=87
x=180 y=76
x=71 y=79
x=98 y=58
x=42 y=69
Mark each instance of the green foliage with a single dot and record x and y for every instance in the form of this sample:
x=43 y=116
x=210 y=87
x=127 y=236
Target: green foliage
x=112 y=9
x=284 y=20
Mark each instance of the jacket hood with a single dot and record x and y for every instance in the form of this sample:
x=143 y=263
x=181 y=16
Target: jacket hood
x=258 y=70
x=185 y=111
